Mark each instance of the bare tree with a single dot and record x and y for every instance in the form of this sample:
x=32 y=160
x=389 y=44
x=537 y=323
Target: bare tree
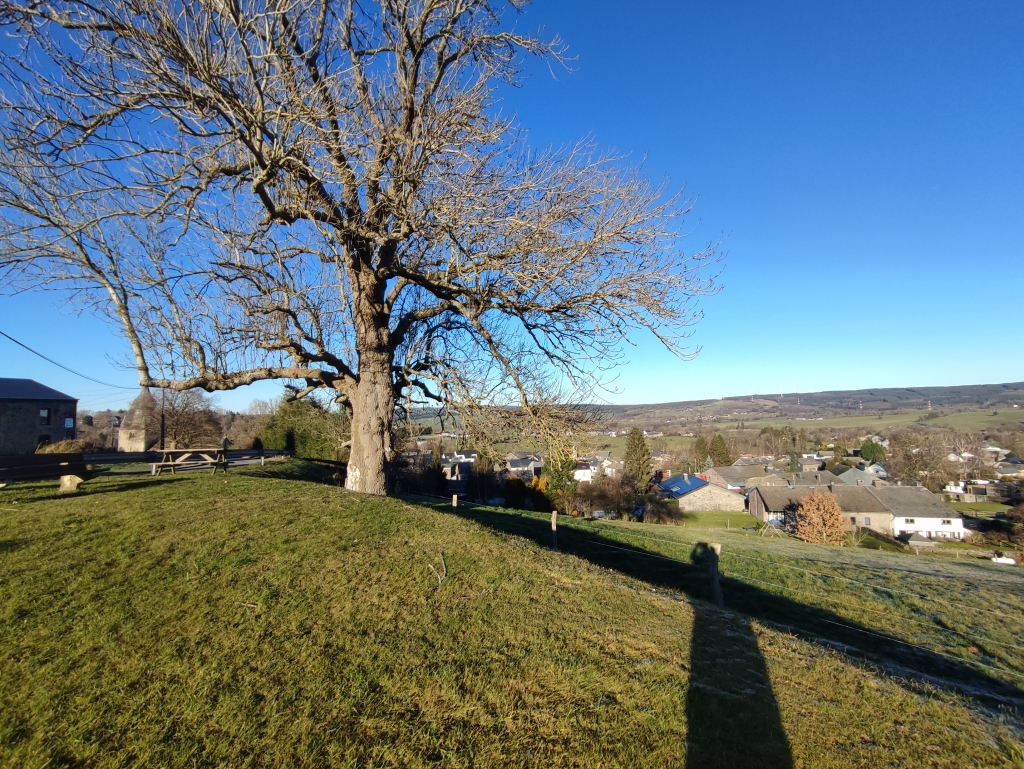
x=920 y=456
x=325 y=191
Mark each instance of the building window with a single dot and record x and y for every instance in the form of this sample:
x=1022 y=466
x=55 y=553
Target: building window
x=867 y=521
x=947 y=522
x=910 y=521
x=44 y=416
x=853 y=520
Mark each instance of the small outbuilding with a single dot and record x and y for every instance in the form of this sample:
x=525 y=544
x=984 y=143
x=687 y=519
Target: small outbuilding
x=33 y=415
x=698 y=495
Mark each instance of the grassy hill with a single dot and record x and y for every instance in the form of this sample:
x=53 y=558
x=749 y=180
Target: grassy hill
x=266 y=619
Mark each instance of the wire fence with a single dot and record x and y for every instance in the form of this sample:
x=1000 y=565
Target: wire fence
x=833 y=598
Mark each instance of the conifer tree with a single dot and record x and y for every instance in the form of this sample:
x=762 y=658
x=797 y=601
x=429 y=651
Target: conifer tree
x=719 y=451
x=700 y=452
x=638 y=461
x=872 y=452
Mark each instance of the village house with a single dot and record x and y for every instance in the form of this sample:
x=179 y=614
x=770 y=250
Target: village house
x=861 y=509
x=524 y=466
x=896 y=511
x=916 y=510
x=584 y=472
x=750 y=459
x=817 y=478
x=33 y=415
x=733 y=477
x=696 y=494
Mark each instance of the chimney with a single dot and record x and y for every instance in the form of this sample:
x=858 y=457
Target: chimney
x=686 y=477
x=830 y=487
x=817 y=476
x=860 y=481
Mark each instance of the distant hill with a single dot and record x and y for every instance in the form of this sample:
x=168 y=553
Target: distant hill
x=832 y=403
x=984 y=395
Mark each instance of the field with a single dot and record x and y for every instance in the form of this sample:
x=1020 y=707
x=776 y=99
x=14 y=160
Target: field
x=268 y=619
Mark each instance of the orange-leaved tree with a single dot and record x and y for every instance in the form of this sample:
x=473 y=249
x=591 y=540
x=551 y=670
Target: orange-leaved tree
x=819 y=519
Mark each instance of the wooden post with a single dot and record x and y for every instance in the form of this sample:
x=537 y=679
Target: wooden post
x=455 y=500
x=716 y=588
x=554 y=529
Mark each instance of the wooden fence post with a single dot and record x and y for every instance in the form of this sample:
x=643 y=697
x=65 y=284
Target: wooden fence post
x=554 y=529
x=716 y=588
x=455 y=500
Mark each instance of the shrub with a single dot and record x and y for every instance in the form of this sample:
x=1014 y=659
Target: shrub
x=63 y=447
x=819 y=519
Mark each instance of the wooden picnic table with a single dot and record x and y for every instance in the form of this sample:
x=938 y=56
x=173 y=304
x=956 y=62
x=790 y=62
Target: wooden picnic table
x=184 y=458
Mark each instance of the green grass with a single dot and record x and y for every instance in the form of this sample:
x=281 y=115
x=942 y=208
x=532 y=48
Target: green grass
x=710 y=520
x=265 y=619
x=987 y=508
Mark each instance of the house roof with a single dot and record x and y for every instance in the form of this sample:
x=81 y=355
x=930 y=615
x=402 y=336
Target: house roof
x=852 y=475
x=679 y=485
x=913 y=502
x=524 y=464
x=738 y=476
x=30 y=390
x=752 y=461
x=851 y=499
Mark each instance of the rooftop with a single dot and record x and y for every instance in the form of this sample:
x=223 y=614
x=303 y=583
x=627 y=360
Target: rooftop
x=913 y=502
x=30 y=390
x=678 y=485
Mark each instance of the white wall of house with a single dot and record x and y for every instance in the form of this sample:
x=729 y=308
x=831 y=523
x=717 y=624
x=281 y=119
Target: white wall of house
x=933 y=528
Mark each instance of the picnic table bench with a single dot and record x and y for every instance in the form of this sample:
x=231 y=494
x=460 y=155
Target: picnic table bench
x=71 y=469
x=181 y=459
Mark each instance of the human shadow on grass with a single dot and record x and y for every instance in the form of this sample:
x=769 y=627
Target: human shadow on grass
x=732 y=716
x=810 y=623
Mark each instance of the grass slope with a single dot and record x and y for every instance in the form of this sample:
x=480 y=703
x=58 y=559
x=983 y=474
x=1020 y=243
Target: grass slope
x=267 y=620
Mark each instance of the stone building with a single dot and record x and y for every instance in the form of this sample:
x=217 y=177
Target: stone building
x=140 y=428
x=33 y=415
x=695 y=494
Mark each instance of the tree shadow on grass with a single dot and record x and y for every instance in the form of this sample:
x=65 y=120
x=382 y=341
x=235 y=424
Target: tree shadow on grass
x=37 y=492
x=810 y=623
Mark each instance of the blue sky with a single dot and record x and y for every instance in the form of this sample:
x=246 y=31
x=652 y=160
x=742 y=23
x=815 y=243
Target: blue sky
x=864 y=163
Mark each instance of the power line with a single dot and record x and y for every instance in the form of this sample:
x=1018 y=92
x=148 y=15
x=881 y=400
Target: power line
x=59 y=365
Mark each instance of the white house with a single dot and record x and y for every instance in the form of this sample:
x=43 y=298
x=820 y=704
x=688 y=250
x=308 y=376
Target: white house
x=915 y=510
x=583 y=473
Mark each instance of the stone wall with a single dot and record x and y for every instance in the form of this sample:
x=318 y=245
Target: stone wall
x=22 y=429
x=711 y=498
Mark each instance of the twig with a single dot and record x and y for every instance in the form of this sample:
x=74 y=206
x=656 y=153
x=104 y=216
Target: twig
x=444 y=569
x=247 y=605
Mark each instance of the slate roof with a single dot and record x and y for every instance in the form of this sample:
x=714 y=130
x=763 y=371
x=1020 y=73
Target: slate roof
x=738 y=476
x=679 y=485
x=851 y=499
x=913 y=502
x=30 y=390
x=811 y=478
x=852 y=475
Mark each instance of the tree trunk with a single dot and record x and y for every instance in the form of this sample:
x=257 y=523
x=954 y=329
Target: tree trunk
x=373 y=413
x=373 y=402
